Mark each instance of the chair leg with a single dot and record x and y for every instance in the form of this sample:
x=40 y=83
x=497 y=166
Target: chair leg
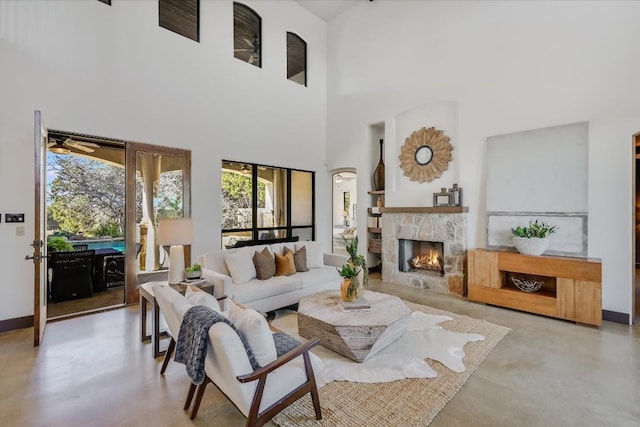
x=311 y=378
x=187 y=403
x=199 y=395
x=167 y=355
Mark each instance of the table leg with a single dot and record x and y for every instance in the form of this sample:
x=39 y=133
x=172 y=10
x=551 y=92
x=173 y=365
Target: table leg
x=143 y=320
x=156 y=334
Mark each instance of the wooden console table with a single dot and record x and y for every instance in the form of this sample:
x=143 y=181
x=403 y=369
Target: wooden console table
x=572 y=288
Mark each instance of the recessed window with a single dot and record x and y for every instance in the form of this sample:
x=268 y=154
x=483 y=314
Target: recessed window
x=247 y=35
x=181 y=16
x=296 y=59
x=264 y=202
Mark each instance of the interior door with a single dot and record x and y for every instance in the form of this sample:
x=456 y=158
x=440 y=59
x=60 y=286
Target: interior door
x=39 y=256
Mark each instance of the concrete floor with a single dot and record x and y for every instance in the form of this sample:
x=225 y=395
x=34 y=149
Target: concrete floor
x=94 y=371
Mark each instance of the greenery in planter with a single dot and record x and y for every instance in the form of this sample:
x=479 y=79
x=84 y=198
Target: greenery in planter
x=537 y=229
x=59 y=244
x=348 y=271
x=357 y=260
x=193 y=268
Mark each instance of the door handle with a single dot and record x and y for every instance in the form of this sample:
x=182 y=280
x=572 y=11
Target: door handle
x=35 y=258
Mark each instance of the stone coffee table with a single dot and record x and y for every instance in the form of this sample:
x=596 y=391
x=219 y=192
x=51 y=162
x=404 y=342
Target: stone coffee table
x=357 y=335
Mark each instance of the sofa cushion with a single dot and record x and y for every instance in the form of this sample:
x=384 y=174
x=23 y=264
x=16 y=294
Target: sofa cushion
x=318 y=276
x=240 y=265
x=257 y=289
x=255 y=330
x=299 y=258
x=314 y=254
x=285 y=266
x=197 y=296
x=265 y=264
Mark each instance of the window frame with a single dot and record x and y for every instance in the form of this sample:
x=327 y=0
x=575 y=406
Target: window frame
x=257 y=33
x=288 y=228
x=305 y=63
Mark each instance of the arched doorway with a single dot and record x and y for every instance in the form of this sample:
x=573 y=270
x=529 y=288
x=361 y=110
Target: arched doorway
x=344 y=208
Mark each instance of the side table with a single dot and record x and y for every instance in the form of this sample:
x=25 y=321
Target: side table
x=147 y=296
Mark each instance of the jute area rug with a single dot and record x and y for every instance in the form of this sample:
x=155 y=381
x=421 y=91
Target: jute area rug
x=408 y=402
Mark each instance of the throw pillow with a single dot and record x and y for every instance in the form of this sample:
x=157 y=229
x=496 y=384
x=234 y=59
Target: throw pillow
x=285 y=266
x=255 y=330
x=299 y=258
x=314 y=254
x=197 y=296
x=240 y=266
x=265 y=264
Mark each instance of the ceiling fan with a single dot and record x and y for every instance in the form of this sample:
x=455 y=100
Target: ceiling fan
x=253 y=48
x=63 y=147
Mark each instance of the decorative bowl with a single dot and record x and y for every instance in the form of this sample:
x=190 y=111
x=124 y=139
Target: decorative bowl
x=530 y=245
x=527 y=283
x=190 y=275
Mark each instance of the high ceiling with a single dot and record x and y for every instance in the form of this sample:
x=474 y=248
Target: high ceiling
x=327 y=9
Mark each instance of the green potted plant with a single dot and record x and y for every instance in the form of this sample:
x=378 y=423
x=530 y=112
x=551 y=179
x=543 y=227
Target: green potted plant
x=193 y=272
x=349 y=286
x=351 y=246
x=58 y=244
x=532 y=240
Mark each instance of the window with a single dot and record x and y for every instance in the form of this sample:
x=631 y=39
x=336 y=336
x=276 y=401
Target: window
x=261 y=202
x=180 y=16
x=296 y=59
x=247 y=35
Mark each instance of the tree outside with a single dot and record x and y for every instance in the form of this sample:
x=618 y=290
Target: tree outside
x=87 y=196
x=236 y=200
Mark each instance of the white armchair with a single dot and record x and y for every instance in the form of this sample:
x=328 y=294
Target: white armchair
x=259 y=395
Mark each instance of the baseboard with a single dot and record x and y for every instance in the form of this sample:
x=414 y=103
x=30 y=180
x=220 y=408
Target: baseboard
x=16 y=323
x=614 y=316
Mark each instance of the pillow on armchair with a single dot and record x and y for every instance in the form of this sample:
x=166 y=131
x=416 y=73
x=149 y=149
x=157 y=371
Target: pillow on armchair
x=197 y=296
x=255 y=330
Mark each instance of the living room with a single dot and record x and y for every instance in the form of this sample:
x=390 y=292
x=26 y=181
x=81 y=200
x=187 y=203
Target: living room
x=475 y=69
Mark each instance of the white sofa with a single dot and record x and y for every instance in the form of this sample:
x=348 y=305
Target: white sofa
x=278 y=291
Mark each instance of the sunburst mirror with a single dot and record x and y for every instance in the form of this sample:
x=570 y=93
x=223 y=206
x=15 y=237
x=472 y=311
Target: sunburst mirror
x=425 y=154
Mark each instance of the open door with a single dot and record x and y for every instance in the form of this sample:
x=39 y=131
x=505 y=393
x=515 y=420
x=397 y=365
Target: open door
x=39 y=248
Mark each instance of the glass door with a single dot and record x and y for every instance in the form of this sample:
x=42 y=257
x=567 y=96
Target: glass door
x=158 y=186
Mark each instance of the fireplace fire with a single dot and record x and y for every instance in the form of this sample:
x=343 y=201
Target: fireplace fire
x=427 y=261
x=416 y=255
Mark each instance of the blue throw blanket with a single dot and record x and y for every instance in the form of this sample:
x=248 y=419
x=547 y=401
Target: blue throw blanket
x=191 y=345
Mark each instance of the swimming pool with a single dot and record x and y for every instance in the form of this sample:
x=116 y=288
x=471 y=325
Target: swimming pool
x=117 y=244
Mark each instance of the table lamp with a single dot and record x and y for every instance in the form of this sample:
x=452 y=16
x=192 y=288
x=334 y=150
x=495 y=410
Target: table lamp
x=176 y=233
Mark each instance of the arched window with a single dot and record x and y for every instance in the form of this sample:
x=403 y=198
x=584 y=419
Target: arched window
x=247 y=35
x=296 y=59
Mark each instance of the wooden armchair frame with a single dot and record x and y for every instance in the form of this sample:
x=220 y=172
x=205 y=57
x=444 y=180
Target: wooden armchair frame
x=256 y=418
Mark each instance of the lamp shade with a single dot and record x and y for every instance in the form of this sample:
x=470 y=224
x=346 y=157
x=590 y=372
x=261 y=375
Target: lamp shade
x=176 y=231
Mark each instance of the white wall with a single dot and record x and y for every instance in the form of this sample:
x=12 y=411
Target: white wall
x=508 y=67
x=112 y=71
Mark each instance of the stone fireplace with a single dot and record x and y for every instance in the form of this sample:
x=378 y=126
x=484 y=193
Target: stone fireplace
x=425 y=236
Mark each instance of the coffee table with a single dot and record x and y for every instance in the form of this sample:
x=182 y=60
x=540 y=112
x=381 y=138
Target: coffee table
x=357 y=335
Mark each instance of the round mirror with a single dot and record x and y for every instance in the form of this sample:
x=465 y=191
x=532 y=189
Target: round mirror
x=423 y=155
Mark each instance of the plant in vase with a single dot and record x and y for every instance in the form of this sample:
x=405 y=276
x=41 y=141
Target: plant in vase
x=193 y=272
x=356 y=260
x=349 y=286
x=532 y=240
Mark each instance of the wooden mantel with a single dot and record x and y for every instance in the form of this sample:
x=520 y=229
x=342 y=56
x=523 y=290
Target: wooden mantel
x=426 y=209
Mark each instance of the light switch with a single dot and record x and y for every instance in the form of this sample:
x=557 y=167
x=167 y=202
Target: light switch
x=20 y=230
